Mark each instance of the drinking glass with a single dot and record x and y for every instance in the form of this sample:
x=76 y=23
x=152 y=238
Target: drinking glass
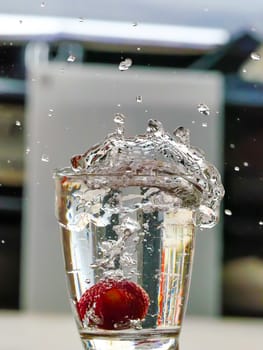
x=128 y=248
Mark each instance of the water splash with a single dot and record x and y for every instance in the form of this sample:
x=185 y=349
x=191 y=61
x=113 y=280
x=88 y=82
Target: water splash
x=203 y=109
x=156 y=159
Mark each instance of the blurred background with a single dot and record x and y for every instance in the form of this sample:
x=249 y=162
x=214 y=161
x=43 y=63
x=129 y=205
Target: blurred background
x=67 y=67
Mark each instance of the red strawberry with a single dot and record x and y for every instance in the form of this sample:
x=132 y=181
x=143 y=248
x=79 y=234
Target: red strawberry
x=113 y=302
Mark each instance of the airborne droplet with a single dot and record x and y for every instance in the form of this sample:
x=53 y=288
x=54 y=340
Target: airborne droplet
x=45 y=158
x=125 y=64
x=203 y=109
x=71 y=58
x=154 y=125
x=139 y=99
x=228 y=212
x=119 y=120
x=255 y=56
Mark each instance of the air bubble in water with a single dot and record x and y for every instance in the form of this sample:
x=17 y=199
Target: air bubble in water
x=18 y=123
x=236 y=168
x=245 y=164
x=260 y=223
x=125 y=64
x=139 y=99
x=203 y=109
x=71 y=58
x=138 y=49
x=204 y=125
x=228 y=212
x=27 y=150
x=3 y=241
x=232 y=145
x=45 y=158
x=255 y=56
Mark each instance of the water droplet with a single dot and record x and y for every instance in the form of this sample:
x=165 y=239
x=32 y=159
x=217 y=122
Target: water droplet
x=204 y=125
x=244 y=70
x=43 y=4
x=146 y=111
x=27 y=150
x=138 y=49
x=245 y=164
x=205 y=9
x=87 y=280
x=8 y=161
x=81 y=19
x=71 y=58
x=154 y=126
x=139 y=99
x=20 y=21
x=18 y=123
x=182 y=135
x=260 y=223
x=255 y=56
x=11 y=44
x=125 y=64
x=45 y=158
x=134 y=24
x=228 y=212
x=236 y=168
x=51 y=112
x=119 y=118
x=193 y=121
x=3 y=241
x=203 y=109
x=232 y=145
x=118 y=105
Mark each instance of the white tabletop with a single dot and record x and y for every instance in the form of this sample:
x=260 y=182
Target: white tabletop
x=27 y=331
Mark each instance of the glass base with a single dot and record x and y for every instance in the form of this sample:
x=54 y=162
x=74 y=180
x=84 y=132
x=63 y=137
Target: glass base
x=142 y=343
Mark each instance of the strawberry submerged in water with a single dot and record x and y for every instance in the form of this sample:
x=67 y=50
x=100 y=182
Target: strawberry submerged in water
x=112 y=304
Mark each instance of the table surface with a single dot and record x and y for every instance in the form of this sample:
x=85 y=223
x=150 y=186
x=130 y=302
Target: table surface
x=26 y=331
